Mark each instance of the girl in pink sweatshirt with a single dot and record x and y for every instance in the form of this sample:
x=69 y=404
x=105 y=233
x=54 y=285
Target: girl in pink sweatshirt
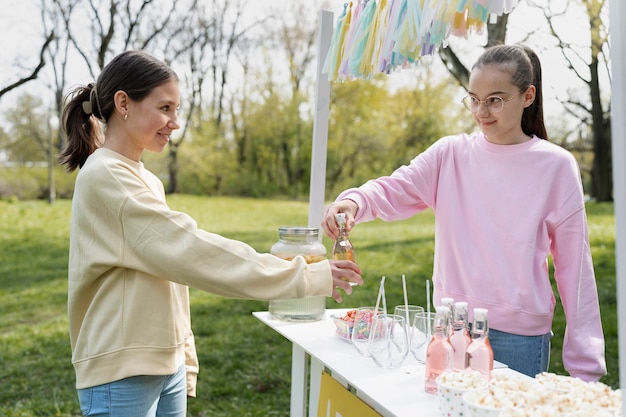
x=504 y=199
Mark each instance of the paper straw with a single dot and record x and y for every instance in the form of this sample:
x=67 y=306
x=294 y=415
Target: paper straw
x=406 y=300
x=382 y=286
x=428 y=304
x=428 y=296
x=380 y=294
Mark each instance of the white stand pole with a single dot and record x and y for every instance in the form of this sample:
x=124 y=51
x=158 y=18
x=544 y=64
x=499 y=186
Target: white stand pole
x=299 y=388
x=618 y=131
x=320 y=124
x=300 y=358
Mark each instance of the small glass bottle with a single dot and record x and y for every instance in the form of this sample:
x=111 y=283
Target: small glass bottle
x=479 y=352
x=342 y=248
x=439 y=354
x=460 y=338
x=293 y=241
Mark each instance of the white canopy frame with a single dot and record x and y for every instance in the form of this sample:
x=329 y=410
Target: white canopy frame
x=617 y=13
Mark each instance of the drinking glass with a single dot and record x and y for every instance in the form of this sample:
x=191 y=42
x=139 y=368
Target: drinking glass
x=362 y=325
x=401 y=310
x=421 y=333
x=388 y=345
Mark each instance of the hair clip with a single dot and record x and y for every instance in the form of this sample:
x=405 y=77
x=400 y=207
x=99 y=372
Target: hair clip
x=87 y=107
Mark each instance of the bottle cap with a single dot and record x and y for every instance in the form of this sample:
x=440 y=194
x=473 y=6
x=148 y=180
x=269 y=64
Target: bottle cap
x=442 y=309
x=461 y=306
x=480 y=314
x=447 y=301
x=340 y=218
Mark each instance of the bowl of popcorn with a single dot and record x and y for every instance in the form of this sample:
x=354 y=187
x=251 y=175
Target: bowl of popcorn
x=450 y=389
x=570 y=397
x=344 y=325
x=546 y=395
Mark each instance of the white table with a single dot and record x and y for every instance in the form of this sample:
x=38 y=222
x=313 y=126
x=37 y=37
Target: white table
x=391 y=392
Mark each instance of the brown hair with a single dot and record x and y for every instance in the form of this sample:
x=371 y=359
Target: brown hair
x=525 y=68
x=135 y=72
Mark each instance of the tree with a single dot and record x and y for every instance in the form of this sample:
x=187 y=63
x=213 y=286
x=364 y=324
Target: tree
x=296 y=37
x=28 y=123
x=587 y=64
x=213 y=34
x=35 y=72
x=115 y=25
x=373 y=131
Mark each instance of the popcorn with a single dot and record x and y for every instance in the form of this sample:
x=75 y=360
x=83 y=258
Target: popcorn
x=494 y=399
x=549 y=395
x=559 y=382
x=466 y=380
x=531 y=411
x=511 y=383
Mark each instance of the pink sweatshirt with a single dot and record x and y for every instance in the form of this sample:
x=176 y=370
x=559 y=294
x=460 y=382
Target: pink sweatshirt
x=500 y=211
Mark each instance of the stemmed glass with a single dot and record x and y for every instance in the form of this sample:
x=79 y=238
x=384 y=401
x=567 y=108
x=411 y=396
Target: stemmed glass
x=388 y=344
x=421 y=333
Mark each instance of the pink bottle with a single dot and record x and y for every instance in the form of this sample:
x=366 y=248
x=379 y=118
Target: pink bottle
x=460 y=338
x=439 y=354
x=479 y=352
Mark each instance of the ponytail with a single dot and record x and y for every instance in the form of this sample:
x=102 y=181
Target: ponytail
x=83 y=131
x=532 y=118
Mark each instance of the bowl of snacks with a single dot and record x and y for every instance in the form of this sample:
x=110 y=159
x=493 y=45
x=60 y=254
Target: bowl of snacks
x=451 y=386
x=344 y=325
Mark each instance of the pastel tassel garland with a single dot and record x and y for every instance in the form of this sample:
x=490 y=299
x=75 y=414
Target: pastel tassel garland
x=385 y=35
x=333 y=59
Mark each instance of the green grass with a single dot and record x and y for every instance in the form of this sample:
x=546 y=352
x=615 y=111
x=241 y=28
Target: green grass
x=245 y=367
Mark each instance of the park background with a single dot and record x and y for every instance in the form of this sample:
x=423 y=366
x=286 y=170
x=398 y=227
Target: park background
x=248 y=77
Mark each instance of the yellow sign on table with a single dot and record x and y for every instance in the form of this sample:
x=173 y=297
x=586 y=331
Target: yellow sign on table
x=336 y=401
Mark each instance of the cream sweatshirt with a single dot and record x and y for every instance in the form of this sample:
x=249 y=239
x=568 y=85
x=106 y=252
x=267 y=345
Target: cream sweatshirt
x=131 y=261
x=500 y=211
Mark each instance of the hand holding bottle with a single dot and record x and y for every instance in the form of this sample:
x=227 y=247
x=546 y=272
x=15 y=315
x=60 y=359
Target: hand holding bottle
x=345 y=274
x=329 y=223
x=342 y=248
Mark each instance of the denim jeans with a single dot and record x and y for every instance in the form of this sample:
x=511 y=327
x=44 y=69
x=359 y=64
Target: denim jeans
x=529 y=355
x=137 y=396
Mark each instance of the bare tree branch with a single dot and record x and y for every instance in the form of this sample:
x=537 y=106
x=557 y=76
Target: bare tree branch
x=35 y=73
x=496 y=33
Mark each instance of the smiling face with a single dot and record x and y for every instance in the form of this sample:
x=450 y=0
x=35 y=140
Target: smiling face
x=503 y=127
x=151 y=120
x=145 y=124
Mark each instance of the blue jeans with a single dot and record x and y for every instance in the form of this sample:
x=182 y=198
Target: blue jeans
x=529 y=355
x=137 y=396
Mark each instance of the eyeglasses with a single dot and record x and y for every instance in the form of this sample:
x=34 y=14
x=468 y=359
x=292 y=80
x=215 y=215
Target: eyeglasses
x=494 y=104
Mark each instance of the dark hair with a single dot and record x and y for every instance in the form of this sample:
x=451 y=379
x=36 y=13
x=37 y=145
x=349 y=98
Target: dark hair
x=135 y=72
x=525 y=68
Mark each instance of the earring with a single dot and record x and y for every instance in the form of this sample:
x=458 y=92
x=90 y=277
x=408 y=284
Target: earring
x=126 y=116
